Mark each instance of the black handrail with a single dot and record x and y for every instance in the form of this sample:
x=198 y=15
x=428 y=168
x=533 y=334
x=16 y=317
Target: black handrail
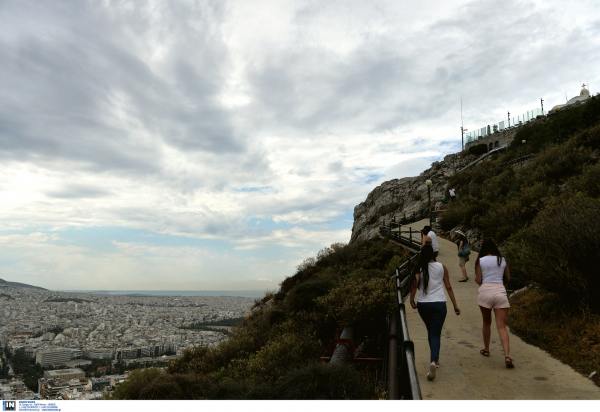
x=406 y=380
x=410 y=242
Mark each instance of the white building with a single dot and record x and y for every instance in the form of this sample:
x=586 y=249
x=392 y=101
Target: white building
x=101 y=353
x=53 y=356
x=583 y=96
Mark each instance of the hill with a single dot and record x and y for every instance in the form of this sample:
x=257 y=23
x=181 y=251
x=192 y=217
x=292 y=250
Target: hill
x=275 y=352
x=543 y=210
x=18 y=285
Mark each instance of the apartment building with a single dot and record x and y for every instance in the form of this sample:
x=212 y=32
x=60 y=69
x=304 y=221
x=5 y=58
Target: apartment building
x=53 y=356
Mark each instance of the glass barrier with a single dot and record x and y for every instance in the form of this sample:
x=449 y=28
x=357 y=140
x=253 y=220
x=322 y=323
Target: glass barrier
x=515 y=121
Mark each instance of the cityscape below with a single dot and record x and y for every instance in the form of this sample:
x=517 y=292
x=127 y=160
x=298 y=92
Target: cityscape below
x=80 y=344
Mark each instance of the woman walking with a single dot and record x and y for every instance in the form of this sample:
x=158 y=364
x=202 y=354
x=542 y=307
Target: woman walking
x=429 y=278
x=430 y=238
x=462 y=260
x=491 y=273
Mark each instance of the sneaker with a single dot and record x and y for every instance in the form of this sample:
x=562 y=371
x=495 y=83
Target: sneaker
x=432 y=371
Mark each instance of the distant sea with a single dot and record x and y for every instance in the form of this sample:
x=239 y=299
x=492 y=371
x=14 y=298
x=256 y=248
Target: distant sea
x=241 y=293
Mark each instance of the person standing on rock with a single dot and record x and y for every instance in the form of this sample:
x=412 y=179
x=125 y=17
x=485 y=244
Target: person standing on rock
x=492 y=274
x=452 y=194
x=429 y=237
x=429 y=278
x=462 y=259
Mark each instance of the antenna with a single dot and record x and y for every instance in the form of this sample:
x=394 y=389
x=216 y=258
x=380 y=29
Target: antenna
x=462 y=129
x=566 y=99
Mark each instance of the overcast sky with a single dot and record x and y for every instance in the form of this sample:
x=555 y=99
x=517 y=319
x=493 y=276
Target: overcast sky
x=214 y=145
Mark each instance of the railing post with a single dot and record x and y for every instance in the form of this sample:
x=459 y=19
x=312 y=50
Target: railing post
x=393 y=386
x=410 y=231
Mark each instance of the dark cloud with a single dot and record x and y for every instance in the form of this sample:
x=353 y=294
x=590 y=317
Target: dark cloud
x=74 y=88
x=78 y=192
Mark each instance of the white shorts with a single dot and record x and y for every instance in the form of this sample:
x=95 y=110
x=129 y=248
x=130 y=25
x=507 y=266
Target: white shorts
x=492 y=296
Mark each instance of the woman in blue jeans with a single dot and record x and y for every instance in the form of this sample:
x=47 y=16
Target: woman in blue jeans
x=429 y=278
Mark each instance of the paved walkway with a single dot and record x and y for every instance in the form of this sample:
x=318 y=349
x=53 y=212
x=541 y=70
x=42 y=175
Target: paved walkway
x=465 y=374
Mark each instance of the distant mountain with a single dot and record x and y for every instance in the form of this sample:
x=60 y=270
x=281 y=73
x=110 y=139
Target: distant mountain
x=19 y=285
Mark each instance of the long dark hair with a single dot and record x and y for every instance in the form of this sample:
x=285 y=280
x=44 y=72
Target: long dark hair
x=488 y=247
x=422 y=267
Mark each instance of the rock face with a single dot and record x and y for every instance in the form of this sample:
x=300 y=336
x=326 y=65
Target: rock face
x=404 y=196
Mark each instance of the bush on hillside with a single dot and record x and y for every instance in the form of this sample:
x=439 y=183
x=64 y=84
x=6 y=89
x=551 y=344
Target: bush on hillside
x=560 y=250
x=302 y=296
x=563 y=125
x=359 y=301
x=285 y=352
x=286 y=332
x=203 y=359
x=320 y=381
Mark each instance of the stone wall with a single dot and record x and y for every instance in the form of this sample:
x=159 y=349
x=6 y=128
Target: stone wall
x=505 y=137
x=498 y=139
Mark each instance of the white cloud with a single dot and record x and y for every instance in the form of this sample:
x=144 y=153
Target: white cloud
x=193 y=118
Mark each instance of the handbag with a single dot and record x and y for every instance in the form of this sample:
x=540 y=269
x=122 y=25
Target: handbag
x=465 y=251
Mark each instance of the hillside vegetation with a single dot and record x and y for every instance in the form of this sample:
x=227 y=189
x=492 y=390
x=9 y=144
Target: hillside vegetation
x=546 y=214
x=275 y=352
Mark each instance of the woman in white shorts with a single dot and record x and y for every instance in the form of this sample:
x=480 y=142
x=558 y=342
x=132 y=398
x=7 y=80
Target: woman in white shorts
x=491 y=272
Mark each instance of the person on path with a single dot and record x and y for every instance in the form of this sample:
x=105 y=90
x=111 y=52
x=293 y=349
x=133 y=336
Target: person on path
x=429 y=278
x=492 y=274
x=452 y=194
x=429 y=237
x=462 y=260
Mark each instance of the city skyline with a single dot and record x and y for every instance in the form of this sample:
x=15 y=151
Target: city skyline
x=216 y=145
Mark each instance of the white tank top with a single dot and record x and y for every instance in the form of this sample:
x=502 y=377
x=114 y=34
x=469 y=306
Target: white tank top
x=435 y=287
x=490 y=271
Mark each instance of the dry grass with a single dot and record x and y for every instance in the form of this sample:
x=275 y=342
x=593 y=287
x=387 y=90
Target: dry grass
x=571 y=336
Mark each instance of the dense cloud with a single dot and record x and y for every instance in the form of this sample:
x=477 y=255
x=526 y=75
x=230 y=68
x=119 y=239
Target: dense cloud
x=200 y=119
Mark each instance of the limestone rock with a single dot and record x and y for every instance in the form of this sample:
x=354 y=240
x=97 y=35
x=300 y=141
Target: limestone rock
x=398 y=197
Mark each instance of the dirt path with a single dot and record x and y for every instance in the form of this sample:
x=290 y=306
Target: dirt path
x=465 y=374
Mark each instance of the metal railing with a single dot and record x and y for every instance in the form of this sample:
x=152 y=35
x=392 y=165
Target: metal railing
x=519 y=159
x=395 y=232
x=399 y=369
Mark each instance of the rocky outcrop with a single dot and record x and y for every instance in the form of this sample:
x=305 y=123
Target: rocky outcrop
x=398 y=197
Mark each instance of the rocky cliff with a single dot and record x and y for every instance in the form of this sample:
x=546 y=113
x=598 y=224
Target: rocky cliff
x=404 y=196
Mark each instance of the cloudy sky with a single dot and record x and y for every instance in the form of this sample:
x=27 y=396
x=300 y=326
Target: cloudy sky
x=213 y=145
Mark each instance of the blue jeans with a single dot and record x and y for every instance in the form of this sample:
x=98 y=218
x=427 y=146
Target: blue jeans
x=434 y=315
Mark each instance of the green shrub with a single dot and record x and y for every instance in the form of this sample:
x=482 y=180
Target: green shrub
x=320 y=381
x=359 y=301
x=202 y=359
x=302 y=296
x=560 y=250
x=587 y=182
x=283 y=353
x=515 y=213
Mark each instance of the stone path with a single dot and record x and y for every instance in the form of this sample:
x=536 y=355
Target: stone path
x=465 y=374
